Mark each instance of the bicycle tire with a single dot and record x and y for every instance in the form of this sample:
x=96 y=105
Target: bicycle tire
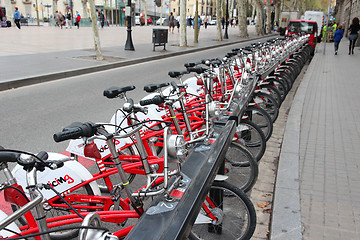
x=229 y=224
x=272 y=91
x=268 y=103
x=262 y=119
x=241 y=167
x=280 y=86
x=250 y=136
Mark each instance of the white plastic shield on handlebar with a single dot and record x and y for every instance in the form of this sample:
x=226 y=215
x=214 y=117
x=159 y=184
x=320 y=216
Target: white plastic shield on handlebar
x=62 y=179
x=3 y=233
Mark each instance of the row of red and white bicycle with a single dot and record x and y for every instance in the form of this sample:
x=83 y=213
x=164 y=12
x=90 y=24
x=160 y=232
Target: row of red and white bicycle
x=139 y=153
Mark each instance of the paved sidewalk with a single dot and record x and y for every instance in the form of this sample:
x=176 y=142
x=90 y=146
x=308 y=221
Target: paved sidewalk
x=37 y=54
x=318 y=183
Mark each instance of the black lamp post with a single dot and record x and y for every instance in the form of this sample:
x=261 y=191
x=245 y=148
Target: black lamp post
x=129 y=44
x=226 y=20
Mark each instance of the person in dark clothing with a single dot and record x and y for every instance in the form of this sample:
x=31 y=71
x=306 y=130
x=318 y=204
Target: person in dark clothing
x=2 y=15
x=354 y=28
x=102 y=19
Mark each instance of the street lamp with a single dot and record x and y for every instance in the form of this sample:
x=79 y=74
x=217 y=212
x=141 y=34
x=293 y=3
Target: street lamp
x=226 y=20
x=129 y=44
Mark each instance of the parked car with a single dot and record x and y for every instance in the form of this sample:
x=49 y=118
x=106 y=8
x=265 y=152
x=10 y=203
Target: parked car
x=163 y=21
x=137 y=20
x=303 y=26
x=149 y=21
x=212 y=22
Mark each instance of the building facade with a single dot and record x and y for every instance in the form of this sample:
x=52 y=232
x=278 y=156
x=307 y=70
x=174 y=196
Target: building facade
x=345 y=11
x=114 y=9
x=205 y=7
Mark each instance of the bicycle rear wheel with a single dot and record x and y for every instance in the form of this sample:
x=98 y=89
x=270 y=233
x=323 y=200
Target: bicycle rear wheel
x=268 y=103
x=230 y=215
x=241 y=167
x=261 y=118
x=250 y=135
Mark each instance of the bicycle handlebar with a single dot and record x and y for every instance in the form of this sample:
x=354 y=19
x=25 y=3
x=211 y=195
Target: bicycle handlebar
x=83 y=130
x=155 y=100
x=197 y=70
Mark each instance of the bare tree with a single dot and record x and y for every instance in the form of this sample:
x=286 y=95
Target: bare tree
x=183 y=38
x=54 y=8
x=277 y=4
x=99 y=55
x=259 y=17
x=161 y=12
x=85 y=14
x=242 y=18
x=268 y=17
x=145 y=10
x=218 y=20
x=9 y=10
x=196 y=22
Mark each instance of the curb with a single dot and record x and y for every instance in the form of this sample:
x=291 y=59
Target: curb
x=15 y=83
x=286 y=219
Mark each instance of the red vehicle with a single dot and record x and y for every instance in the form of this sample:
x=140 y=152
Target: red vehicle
x=303 y=26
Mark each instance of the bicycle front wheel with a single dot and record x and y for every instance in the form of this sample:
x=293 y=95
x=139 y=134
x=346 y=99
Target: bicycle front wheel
x=227 y=213
x=241 y=166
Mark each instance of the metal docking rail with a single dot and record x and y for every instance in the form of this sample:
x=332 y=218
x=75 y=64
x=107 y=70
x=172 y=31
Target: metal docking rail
x=173 y=220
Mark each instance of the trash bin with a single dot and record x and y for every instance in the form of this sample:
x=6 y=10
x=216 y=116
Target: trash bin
x=160 y=37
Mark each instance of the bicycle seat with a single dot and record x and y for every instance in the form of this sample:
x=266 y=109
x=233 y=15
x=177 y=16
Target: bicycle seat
x=113 y=92
x=175 y=74
x=153 y=87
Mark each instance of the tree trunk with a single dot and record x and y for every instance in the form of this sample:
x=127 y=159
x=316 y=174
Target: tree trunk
x=54 y=9
x=183 y=39
x=218 y=20
x=242 y=18
x=9 y=10
x=85 y=14
x=161 y=13
x=232 y=9
x=196 y=23
x=277 y=5
x=259 y=27
x=99 y=55
x=268 y=17
x=145 y=9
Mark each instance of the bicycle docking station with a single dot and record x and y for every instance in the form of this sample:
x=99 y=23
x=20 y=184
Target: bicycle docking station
x=174 y=219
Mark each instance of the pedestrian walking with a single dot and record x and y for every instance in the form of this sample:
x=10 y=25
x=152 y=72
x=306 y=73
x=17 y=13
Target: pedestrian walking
x=17 y=17
x=178 y=23
x=171 y=22
x=56 y=17
x=77 y=20
x=205 y=22
x=223 y=22
x=68 y=19
x=354 y=28
x=337 y=38
x=102 y=19
x=2 y=15
x=61 y=19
